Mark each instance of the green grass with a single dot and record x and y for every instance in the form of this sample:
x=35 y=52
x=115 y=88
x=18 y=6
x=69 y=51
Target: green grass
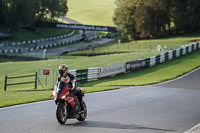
x=92 y=12
x=23 y=35
x=13 y=97
x=160 y=73
x=24 y=68
x=157 y=74
x=142 y=46
x=169 y=70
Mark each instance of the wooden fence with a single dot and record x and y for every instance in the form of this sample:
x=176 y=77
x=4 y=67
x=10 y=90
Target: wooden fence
x=30 y=82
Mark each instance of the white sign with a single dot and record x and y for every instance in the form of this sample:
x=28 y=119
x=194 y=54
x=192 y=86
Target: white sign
x=86 y=27
x=112 y=69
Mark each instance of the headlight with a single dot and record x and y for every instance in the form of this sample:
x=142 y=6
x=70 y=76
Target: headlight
x=63 y=97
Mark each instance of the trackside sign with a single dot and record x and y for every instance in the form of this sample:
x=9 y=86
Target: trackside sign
x=78 y=26
x=46 y=72
x=85 y=27
x=112 y=69
x=134 y=65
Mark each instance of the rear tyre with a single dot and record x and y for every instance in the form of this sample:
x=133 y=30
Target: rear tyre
x=61 y=113
x=83 y=115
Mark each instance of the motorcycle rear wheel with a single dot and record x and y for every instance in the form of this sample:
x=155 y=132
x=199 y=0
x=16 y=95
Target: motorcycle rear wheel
x=61 y=113
x=83 y=115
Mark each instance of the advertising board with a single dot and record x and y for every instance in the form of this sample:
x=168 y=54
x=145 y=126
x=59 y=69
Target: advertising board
x=134 y=65
x=112 y=69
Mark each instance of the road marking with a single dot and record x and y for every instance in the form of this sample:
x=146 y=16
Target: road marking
x=195 y=129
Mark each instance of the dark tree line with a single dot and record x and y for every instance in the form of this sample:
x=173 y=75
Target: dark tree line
x=17 y=13
x=156 y=18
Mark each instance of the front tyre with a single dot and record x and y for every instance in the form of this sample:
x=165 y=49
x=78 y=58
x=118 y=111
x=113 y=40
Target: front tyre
x=61 y=113
x=83 y=115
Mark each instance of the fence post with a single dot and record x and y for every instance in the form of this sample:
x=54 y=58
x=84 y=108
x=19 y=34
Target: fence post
x=5 y=85
x=35 y=80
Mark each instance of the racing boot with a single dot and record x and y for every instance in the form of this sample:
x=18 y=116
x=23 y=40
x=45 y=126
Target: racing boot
x=80 y=98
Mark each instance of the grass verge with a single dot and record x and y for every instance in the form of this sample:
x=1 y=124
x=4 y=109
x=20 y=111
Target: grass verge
x=142 y=46
x=98 y=12
x=169 y=70
x=39 y=33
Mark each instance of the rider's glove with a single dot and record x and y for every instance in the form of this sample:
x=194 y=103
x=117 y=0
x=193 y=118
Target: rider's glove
x=72 y=91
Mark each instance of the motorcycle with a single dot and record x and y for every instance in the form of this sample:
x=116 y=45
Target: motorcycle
x=68 y=106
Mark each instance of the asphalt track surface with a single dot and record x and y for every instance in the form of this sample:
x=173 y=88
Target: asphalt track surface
x=171 y=107
x=66 y=49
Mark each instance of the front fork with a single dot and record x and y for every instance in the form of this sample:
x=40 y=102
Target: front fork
x=64 y=103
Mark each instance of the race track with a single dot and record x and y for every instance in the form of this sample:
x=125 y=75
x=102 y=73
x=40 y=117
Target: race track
x=171 y=107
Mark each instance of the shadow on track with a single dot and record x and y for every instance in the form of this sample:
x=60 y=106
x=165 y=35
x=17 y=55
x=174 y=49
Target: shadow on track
x=100 y=124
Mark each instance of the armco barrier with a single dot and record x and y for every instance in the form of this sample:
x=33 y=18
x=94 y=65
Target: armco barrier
x=93 y=73
x=147 y=62
x=112 y=69
x=90 y=74
x=134 y=65
x=162 y=57
x=81 y=75
x=170 y=55
x=39 y=40
x=177 y=52
x=155 y=60
x=84 y=75
x=174 y=54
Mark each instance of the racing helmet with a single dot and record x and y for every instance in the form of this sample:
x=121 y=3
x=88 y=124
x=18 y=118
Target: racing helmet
x=63 y=69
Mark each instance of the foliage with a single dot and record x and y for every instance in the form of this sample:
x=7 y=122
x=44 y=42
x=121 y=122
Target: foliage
x=54 y=8
x=153 y=18
x=186 y=15
x=124 y=17
x=18 y=13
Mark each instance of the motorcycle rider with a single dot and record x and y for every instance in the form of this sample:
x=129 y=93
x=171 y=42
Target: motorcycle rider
x=66 y=78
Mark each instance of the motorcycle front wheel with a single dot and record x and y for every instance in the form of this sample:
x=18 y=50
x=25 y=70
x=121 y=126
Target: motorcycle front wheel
x=61 y=113
x=83 y=115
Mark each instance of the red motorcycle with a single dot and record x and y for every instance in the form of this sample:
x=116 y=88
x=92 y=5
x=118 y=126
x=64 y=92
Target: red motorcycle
x=68 y=106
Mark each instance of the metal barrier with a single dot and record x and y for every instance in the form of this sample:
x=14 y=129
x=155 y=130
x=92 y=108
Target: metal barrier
x=90 y=74
x=156 y=60
x=6 y=81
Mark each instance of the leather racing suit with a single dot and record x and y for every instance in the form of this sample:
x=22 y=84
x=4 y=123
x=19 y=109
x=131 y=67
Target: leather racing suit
x=70 y=80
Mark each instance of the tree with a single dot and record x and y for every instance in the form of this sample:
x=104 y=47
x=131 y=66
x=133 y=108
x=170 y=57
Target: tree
x=181 y=16
x=152 y=17
x=186 y=16
x=3 y=10
x=193 y=9
x=18 y=13
x=124 y=17
x=142 y=16
x=53 y=8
